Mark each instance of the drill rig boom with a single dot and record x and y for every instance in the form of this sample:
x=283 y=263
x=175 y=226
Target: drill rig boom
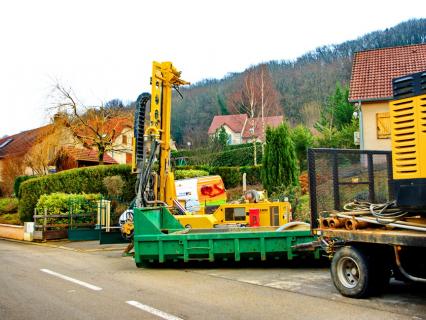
x=157 y=134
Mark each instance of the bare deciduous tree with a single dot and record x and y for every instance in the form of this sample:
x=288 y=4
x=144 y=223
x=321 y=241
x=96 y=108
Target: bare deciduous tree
x=92 y=127
x=258 y=98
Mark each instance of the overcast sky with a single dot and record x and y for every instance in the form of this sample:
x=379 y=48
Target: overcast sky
x=104 y=49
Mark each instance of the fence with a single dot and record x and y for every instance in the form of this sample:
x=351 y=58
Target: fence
x=82 y=220
x=339 y=176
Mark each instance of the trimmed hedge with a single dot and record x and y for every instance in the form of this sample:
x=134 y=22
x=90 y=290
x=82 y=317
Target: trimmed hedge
x=81 y=180
x=231 y=156
x=185 y=174
x=231 y=176
x=18 y=182
x=61 y=203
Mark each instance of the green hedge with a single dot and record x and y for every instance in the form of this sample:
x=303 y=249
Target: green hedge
x=18 y=182
x=61 y=203
x=252 y=174
x=231 y=176
x=82 y=180
x=191 y=173
x=234 y=155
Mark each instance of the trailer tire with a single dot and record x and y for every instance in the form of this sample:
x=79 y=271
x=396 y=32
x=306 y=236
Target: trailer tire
x=351 y=272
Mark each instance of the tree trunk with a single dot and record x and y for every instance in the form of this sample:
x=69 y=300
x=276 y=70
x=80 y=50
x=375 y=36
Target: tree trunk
x=254 y=140
x=101 y=153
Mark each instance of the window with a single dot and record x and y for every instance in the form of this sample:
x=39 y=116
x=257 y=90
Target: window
x=235 y=214
x=124 y=140
x=383 y=125
x=275 y=216
x=5 y=143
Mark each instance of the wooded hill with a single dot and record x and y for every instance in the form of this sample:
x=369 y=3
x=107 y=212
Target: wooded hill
x=302 y=86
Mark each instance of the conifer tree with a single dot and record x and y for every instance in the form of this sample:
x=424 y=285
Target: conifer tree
x=279 y=166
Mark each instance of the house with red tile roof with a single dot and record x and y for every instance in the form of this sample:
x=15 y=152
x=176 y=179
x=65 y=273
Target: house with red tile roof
x=234 y=125
x=371 y=88
x=242 y=129
x=69 y=157
x=54 y=147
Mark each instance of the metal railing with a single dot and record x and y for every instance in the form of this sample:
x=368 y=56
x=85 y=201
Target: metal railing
x=338 y=176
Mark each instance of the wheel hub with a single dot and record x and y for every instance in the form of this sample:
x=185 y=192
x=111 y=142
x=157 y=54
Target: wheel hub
x=348 y=272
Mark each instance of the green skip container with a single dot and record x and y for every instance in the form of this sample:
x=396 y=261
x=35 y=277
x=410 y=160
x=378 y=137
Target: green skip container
x=160 y=238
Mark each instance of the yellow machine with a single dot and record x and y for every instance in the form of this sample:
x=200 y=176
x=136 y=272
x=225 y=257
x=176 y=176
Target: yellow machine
x=152 y=141
x=249 y=214
x=408 y=123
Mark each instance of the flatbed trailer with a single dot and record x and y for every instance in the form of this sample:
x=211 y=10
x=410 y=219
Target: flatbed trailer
x=364 y=259
x=160 y=238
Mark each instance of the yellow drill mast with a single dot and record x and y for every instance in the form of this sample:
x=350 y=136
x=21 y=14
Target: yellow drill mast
x=164 y=78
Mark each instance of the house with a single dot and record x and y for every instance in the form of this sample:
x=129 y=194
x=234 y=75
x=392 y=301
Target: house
x=242 y=129
x=16 y=146
x=55 y=148
x=371 y=88
x=234 y=125
x=122 y=151
x=71 y=157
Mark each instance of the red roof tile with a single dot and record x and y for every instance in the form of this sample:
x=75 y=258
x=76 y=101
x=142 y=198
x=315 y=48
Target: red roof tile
x=234 y=121
x=112 y=127
x=87 y=155
x=269 y=122
x=373 y=70
x=21 y=142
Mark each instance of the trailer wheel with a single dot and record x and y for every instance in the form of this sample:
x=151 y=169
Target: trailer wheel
x=351 y=272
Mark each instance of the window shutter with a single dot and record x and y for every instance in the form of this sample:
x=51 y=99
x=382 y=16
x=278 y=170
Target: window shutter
x=383 y=125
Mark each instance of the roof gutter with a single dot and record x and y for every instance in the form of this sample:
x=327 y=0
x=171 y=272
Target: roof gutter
x=370 y=99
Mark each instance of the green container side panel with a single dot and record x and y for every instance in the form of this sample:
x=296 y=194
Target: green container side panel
x=154 y=221
x=155 y=240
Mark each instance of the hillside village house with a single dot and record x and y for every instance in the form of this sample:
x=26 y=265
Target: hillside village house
x=50 y=148
x=239 y=127
x=371 y=88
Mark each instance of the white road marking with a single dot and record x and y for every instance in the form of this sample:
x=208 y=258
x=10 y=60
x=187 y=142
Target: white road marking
x=81 y=283
x=158 y=313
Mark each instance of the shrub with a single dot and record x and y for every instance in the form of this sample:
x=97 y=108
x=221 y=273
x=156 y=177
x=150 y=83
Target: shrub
x=114 y=185
x=191 y=173
x=279 y=166
x=88 y=180
x=302 y=139
x=8 y=205
x=17 y=184
x=61 y=203
x=302 y=211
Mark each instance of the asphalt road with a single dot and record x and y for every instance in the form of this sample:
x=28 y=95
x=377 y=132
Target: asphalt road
x=42 y=282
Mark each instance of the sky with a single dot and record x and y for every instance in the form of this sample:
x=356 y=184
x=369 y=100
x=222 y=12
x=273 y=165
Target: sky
x=104 y=49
